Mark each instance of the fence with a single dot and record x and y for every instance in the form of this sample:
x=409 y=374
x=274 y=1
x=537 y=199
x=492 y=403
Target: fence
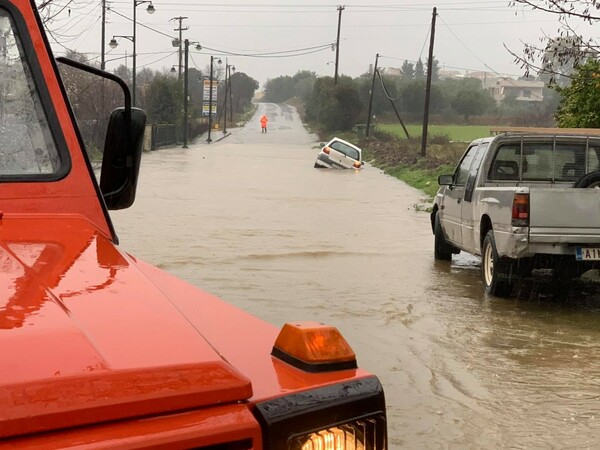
x=162 y=135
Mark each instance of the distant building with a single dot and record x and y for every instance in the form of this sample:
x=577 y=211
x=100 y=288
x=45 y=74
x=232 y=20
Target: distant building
x=521 y=90
x=445 y=73
x=390 y=71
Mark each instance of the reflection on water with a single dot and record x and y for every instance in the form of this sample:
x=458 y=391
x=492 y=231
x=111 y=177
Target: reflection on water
x=250 y=220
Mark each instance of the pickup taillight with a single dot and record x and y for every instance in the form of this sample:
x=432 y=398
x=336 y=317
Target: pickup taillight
x=520 y=210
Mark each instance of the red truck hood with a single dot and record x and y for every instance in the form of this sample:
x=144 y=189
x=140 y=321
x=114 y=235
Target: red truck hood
x=86 y=337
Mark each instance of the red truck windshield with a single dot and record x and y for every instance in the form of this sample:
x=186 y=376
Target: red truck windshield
x=27 y=147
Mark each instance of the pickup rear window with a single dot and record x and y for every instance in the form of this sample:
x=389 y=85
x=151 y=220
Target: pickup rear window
x=27 y=148
x=546 y=161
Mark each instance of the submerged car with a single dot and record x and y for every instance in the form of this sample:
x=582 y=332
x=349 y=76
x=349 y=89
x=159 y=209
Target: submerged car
x=339 y=154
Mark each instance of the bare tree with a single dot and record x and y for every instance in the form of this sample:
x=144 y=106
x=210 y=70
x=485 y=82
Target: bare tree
x=556 y=57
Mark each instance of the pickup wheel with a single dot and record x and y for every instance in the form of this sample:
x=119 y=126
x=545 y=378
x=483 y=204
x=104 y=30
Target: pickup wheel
x=442 y=250
x=495 y=271
x=590 y=181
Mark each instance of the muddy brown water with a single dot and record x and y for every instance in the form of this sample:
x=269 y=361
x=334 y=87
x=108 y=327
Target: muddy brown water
x=248 y=218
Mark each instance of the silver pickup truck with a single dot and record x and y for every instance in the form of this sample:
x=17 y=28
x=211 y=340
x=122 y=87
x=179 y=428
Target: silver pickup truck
x=522 y=202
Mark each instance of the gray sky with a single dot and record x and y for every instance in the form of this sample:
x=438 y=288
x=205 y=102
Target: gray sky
x=470 y=35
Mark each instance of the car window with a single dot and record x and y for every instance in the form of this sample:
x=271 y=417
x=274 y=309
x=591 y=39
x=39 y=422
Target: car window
x=462 y=171
x=547 y=161
x=345 y=149
x=27 y=147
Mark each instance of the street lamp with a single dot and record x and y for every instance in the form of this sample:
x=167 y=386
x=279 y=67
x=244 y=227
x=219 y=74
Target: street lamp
x=113 y=42
x=210 y=96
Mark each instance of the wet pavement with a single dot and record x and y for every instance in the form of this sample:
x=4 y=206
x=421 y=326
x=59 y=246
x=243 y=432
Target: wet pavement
x=248 y=218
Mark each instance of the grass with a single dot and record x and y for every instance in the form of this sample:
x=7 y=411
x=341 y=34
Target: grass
x=461 y=133
x=401 y=159
x=423 y=179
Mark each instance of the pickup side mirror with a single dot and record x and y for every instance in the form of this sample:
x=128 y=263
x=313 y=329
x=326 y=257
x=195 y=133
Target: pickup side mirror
x=122 y=156
x=446 y=180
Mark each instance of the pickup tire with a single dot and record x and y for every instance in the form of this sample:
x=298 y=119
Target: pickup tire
x=591 y=181
x=442 y=250
x=495 y=272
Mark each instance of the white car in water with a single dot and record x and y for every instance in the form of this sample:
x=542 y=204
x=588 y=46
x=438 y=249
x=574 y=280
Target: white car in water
x=339 y=154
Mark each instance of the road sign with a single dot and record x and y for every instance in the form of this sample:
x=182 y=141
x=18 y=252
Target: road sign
x=206 y=91
x=205 y=106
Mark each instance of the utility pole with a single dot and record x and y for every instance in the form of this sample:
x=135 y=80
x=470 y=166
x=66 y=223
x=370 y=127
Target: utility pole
x=428 y=86
x=230 y=94
x=371 y=96
x=185 y=96
x=180 y=29
x=102 y=61
x=225 y=98
x=337 y=43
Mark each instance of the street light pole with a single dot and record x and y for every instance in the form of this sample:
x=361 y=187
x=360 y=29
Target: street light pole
x=113 y=42
x=103 y=37
x=150 y=10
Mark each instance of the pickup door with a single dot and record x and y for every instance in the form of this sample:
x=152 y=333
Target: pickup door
x=457 y=215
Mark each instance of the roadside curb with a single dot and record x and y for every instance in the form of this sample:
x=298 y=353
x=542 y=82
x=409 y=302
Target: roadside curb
x=201 y=139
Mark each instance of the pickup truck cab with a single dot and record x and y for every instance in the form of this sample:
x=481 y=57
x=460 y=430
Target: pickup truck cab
x=523 y=201
x=99 y=349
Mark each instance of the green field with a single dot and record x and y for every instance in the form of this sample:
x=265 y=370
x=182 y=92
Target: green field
x=462 y=133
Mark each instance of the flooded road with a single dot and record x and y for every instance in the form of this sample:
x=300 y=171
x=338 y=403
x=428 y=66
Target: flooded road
x=248 y=218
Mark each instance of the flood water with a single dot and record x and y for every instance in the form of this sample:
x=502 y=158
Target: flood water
x=249 y=219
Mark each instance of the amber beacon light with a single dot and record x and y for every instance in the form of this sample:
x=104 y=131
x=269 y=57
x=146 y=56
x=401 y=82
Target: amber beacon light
x=313 y=347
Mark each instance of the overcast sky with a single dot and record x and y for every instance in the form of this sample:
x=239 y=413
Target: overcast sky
x=470 y=35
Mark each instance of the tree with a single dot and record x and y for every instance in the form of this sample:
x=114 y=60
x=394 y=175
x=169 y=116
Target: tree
x=243 y=88
x=435 y=69
x=164 y=100
x=408 y=70
x=413 y=97
x=92 y=101
x=279 y=89
x=580 y=103
x=144 y=79
x=334 y=107
x=570 y=47
x=304 y=81
x=124 y=73
x=470 y=102
x=419 y=70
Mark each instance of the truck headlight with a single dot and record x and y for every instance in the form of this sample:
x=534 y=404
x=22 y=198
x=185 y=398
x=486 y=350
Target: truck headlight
x=344 y=416
x=357 y=435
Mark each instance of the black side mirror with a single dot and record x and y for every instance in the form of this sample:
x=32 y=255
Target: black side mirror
x=446 y=180
x=122 y=147
x=122 y=156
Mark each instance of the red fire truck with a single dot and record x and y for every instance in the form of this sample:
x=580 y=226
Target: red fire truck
x=101 y=350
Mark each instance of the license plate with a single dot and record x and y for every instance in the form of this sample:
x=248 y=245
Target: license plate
x=587 y=254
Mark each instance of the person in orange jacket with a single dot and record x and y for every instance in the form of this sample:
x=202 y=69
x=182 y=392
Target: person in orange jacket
x=263 y=123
